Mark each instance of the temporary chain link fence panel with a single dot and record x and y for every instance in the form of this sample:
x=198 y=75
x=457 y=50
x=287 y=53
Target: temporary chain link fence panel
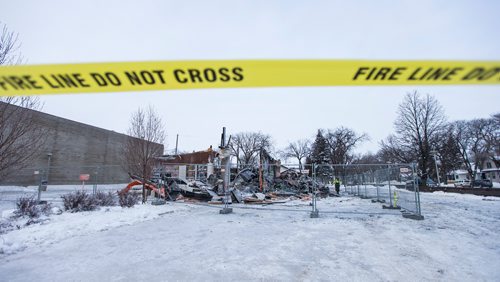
x=406 y=190
x=50 y=183
x=390 y=184
x=382 y=183
x=67 y=175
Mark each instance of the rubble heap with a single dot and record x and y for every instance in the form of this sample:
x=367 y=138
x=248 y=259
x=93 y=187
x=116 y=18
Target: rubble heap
x=290 y=182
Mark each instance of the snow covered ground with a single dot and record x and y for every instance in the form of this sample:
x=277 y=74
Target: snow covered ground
x=353 y=240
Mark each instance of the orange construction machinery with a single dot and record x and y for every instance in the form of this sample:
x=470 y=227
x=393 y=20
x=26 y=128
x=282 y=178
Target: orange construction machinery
x=157 y=188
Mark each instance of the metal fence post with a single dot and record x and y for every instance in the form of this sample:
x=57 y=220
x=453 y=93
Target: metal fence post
x=356 y=186
x=389 y=179
x=354 y=183
x=365 y=179
x=314 y=212
x=40 y=186
x=96 y=174
x=417 y=193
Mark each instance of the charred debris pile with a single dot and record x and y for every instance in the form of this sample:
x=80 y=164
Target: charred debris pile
x=247 y=186
x=265 y=182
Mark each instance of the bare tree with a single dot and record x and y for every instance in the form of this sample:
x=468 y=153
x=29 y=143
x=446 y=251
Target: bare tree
x=298 y=150
x=367 y=158
x=419 y=122
x=247 y=145
x=496 y=122
x=341 y=143
x=478 y=141
x=462 y=137
x=394 y=151
x=9 y=45
x=491 y=136
x=20 y=137
x=147 y=133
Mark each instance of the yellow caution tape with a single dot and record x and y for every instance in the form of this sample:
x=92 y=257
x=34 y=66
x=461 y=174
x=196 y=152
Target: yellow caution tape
x=141 y=76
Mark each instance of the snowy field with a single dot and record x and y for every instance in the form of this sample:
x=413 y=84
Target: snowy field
x=353 y=240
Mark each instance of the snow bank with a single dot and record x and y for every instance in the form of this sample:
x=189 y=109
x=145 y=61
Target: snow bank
x=67 y=225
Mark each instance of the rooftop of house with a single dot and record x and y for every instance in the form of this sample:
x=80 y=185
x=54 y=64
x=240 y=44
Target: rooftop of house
x=200 y=157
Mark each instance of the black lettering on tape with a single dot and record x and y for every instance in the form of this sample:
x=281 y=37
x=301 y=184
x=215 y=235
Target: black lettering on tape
x=19 y=82
x=437 y=73
x=210 y=75
x=108 y=78
x=99 y=79
x=382 y=72
x=133 y=77
x=360 y=71
x=160 y=75
x=414 y=73
x=451 y=73
x=113 y=78
x=49 y=83
x=224 y=74
x=396 y=73
x=179 y=76
x=5 y=82
x=147 y=77
x=81 y=81
x=487 y=74
x=194 y=74
x=473 y=74
x=370 y=74
x=238 y=74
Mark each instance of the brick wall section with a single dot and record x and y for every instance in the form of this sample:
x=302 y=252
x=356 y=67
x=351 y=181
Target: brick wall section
x=77 y=148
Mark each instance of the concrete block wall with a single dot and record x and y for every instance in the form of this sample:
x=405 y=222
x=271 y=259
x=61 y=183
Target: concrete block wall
x=76 y=148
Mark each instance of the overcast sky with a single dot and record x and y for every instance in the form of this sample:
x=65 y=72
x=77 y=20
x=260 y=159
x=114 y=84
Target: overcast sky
x=105 y=31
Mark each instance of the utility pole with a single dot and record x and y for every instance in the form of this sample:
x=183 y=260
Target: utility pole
x=437 y=171
x=176 y=143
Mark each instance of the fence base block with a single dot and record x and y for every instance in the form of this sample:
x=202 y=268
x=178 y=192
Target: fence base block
x=391 y=207
x=413 y=216
x=226 y=210
x=158 y=202
x=364 y=197
x=314 y=214
x=378 y=201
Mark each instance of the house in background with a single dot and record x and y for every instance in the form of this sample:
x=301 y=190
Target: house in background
x=491 y=171
x=191 y=166
x=457 y=175
x=200 y=165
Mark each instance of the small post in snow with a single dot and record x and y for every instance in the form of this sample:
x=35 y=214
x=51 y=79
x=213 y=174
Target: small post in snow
x=314 y=212
x=226 y=163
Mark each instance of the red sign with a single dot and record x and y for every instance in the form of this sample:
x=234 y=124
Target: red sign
x=84 y=177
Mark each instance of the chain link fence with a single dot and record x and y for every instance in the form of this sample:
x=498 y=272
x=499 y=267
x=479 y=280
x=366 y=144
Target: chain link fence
x=67 y=175
x=392 y=185
x=49 y=183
